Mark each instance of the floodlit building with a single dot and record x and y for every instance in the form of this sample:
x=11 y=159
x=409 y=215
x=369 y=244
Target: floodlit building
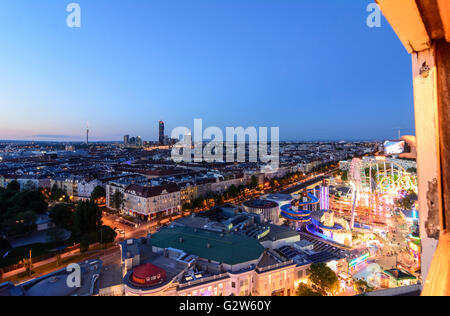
x=186 y=261
x=151 y=202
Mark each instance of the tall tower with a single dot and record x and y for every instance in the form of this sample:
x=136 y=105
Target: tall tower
x=161 y=132
x=87 y=134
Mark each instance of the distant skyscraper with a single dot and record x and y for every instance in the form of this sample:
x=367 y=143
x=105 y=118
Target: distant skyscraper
x=139 y=141
x=126 y=140
x=161 y=132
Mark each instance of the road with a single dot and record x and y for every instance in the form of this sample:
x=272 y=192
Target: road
x=143 y=229
x=303 y=185
x=110 y=255
x=129 y=232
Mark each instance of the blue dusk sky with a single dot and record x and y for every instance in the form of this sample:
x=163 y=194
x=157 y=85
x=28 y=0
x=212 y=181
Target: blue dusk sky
x=311 y=67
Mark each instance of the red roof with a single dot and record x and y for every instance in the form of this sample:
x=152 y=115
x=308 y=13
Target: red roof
x=148 y=274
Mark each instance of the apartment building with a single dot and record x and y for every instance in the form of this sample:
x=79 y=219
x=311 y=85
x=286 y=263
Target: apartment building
x=188 y=192
x=151 y=202
x=85 y=188
x=67 y=184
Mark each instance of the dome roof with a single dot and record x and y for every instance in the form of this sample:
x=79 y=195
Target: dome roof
x=148 y=274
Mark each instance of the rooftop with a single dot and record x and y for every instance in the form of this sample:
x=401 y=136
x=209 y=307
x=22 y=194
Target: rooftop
x=225 y=248
x=280 y=232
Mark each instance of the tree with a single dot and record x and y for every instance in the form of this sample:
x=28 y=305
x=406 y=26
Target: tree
x=84 y=245
x=107 y=235
x=186 y=207
x=88 y=218
x=304 y=290
x=56 y=194
x=4 y=244
x=323 y=278
x=32 y=200
x=19 y=210
x=233 y=191
x=344 y=176
x=62 y=216
x=98 y=193
x=274 y=183
x=13 y=186
x=220 y=200
x=254 y=183
x=19 y=222
x=117 y=200
x=404 y=203
x=197 y=203
x=363 y=287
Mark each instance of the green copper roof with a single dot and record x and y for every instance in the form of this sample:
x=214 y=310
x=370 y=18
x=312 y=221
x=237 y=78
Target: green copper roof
x=226 y=248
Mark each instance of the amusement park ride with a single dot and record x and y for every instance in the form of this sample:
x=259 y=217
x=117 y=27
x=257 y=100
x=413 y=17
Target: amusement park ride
x=365 y=206
x=374 y=183
x=312 y=213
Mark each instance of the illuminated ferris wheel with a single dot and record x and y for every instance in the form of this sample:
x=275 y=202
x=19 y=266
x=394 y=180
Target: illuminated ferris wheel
x=387 y=176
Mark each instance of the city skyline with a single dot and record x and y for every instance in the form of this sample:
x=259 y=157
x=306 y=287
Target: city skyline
x=238 y=64
x=231 y=149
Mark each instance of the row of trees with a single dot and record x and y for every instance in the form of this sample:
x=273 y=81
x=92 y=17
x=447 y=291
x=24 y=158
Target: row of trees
x=20 y=210
x=85 y=222
x=212 y=199
x=57 y=194
x=289 y=178
x=241 y=192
